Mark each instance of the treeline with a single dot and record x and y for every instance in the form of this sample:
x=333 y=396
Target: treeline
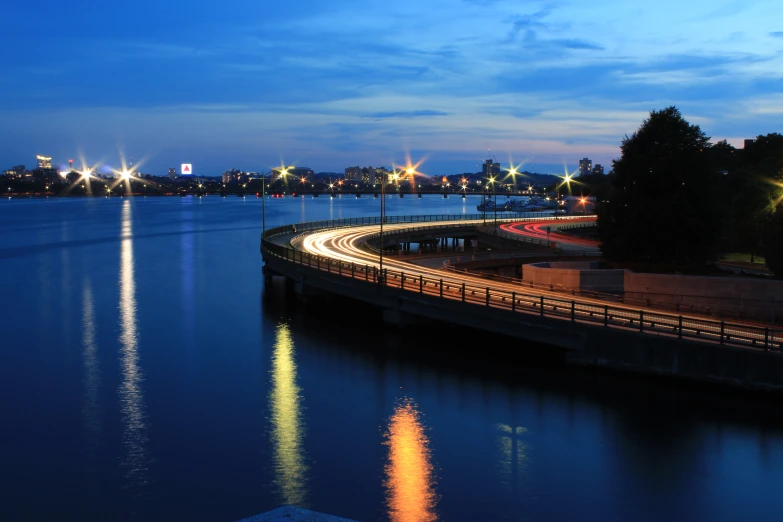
x=675 y=197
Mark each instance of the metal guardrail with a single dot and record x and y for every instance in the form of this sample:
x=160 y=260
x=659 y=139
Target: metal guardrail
x=676 y=326
x=577 y=225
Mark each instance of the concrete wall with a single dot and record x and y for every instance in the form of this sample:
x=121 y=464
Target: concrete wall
x=757 y=299
x=745 y=297
x=584 y=275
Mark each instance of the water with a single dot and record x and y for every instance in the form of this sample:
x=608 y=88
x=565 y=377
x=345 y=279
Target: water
x=146 y=374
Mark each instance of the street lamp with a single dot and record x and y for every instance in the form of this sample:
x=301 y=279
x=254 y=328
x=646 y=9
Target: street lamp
x=495 y=203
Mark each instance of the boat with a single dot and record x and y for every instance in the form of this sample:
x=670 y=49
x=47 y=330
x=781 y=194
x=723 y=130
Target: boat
x=487 y=205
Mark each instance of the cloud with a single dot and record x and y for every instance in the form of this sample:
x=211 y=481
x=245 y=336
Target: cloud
x=407 y=114
x=777 y=34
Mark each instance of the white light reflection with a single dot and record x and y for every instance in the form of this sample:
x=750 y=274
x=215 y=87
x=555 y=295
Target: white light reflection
x=92 y=374
x=287 y=426
x=134 y=436
x=513 y=458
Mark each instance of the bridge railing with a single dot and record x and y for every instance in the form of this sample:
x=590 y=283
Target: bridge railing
x=643 y=321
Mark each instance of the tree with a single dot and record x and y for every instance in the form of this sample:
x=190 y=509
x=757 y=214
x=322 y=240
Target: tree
x=773 y=241
x=752 y=189
x=662 y=207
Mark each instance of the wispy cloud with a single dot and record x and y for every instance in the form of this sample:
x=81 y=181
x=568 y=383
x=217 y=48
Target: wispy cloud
x=406 y=114
x=333 y=80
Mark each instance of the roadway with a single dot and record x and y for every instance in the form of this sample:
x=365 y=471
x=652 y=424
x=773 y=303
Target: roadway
x=348 y=245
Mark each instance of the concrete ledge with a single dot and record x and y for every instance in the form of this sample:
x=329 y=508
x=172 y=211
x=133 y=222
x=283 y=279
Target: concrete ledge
x=294 y=514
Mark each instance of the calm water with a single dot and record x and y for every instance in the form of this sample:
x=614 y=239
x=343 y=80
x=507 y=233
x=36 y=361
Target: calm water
x=147 y=374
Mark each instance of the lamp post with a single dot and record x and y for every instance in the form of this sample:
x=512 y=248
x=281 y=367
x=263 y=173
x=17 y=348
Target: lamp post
x=383 y=218
x=494 y=204
x=263 y=204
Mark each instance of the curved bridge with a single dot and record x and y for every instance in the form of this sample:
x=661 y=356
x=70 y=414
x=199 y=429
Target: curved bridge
x=333 y=256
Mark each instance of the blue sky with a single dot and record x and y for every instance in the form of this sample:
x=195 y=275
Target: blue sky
x=248 y=84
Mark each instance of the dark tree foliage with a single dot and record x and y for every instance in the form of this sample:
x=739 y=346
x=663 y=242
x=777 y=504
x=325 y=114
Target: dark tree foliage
x=751 y=188
x=598 y=185
x=773 y=242
x=663 y=207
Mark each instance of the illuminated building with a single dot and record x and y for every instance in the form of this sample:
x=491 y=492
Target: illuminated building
x=172 y=173
x=234 y=176
x=44 y=162
x=598 y=169
x=585 y=166
x=353 y=173
x=488 y=168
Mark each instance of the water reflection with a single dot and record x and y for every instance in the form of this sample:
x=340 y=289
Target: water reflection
x=134 y=419
x=287 y=425
x=410 y=476
x=513 y=456
x=90 y=408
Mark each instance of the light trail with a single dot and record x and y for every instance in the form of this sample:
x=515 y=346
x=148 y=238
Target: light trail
x=534 y=230
x=345 y=244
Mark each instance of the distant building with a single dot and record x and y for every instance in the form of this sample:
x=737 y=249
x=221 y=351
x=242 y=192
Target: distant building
x=16 y=171
x=234 y=176
x=598 y=169
x=585 y=166
x=44 y=162
x=488 y=168
x=46 y=175
x=366 y=175
x=353 y=173
x=580 y=204
x=172 y=173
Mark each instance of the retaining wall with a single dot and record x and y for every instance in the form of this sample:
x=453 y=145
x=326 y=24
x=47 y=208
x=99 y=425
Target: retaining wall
x=758 y=299
x=584 y=275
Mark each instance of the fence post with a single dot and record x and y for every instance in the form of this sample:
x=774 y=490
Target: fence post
x=679 y=329
x=606 y=315
x=353 y=269
x=573 y=311
x=487 y=296
x=340 y=267
x=329 y=264
x=722 y=330
x=463 y=292
x=318 y=262
x=766 y=338
x=542 y=305
x=641 y=320
x=366 y=273
x=513 y=301
x=402 y=280
x=421 y=284
x=441 y=288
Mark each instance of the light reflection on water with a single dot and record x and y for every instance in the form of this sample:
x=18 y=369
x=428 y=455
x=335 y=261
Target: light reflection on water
x=287 y=425
x=90 y=409
x=513 y=458
x=135 y=461
x=410 y=475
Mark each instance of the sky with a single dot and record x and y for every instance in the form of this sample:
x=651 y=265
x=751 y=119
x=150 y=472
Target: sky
x=327 y=85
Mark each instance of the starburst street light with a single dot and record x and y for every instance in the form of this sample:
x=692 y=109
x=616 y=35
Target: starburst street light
x=512 y=172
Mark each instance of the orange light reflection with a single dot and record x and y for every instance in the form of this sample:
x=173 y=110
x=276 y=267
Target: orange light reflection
x=410 y=477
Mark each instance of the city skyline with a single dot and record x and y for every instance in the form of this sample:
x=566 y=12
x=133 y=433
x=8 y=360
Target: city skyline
x=328 y=86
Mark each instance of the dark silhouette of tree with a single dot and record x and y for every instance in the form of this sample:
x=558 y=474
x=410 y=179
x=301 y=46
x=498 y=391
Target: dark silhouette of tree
x=663 y=205
x=773 y=241
x=751 y=191
x=598 y=185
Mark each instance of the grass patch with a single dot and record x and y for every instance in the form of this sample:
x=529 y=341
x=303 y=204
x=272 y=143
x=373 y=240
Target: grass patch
x=743 y=258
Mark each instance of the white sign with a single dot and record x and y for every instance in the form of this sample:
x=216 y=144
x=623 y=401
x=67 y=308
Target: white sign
x=187 y=169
